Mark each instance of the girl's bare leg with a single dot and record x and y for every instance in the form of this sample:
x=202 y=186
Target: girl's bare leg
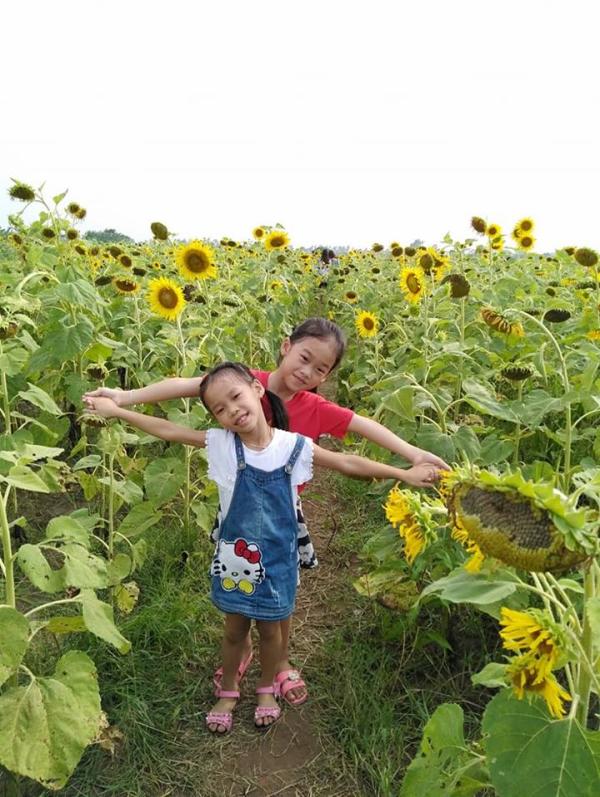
x=284 y=663
x=270 y=656
x=232 y=649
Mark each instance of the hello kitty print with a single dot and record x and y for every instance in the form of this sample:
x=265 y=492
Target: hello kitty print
x=239 y=566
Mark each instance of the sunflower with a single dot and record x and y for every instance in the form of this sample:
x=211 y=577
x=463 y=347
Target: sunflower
x=21 y=191
x=525 y=226
x=532 y=632
x=276 y=239
x=195 y=261
x=522 y=523
x=166 y=298
x=413 y=516
x=124 y=285
x=498 y=322
x=367 y=324
x=529 y=674
x=351 y=296
x=493 y=230
x=586 y=257
x=526 y=242
x=258 y=233
x=478 y=224
x=412 y=283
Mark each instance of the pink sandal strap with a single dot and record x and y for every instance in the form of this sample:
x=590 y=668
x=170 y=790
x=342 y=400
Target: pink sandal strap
x=220 y=718
x=264 y=712
x=285 y=681
x=242 y=669
x=231 y=693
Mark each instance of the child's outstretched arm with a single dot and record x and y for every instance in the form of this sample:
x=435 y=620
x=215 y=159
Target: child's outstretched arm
x=158 y=427
x=177 y=387
x=360 y=467
x=374 y=431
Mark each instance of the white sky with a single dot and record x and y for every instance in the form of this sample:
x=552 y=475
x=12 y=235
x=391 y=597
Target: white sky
x=348 y=122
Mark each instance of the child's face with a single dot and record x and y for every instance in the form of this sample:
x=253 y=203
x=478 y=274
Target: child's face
x=234 y=403
x=306 y=363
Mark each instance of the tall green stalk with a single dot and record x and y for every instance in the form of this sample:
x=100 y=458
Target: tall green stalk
x=7 y=555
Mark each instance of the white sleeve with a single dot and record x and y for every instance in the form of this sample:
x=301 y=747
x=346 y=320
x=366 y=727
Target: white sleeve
x=221 y=461
x=303 y=469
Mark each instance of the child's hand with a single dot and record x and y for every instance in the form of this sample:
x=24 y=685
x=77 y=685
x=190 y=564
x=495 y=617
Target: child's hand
x=105 y=407
x=422 y=475
x=114 y=393
x=427 y=458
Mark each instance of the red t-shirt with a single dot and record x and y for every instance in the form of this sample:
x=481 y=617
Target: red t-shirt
x=310 y=414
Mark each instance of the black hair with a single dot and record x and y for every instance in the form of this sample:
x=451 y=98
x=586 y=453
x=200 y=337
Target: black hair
x=278 y=411
x=327 y=255
x=323 y=329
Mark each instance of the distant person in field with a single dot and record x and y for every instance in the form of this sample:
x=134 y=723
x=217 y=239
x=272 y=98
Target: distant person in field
x=258 y=468
x=307 y=357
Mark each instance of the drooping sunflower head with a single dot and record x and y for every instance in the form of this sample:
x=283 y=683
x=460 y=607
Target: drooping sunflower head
x=534 y=631
x=367 y=324
x=126 y=286
x=478 y=224
x=21 y=191
x=586 y=257
x=497 y=321
x=459 y=285
x=377 y=247
x=276 y=239
x=166 y=298
x=97 y=371
x=196 y=261
x=557 y=315
x=529 y=675
x=528 y=525
x=159 y=231
x=413 y=283
x=517 y=373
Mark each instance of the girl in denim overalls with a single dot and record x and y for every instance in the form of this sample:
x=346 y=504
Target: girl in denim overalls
x=255 y=568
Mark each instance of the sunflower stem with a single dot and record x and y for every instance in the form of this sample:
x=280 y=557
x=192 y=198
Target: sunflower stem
x=518 y=427
x=585 y=668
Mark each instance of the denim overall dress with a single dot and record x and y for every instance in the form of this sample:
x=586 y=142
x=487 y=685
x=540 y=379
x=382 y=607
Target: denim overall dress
x=255 y=566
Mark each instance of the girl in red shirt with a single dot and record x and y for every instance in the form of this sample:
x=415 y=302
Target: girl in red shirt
x=307 y=357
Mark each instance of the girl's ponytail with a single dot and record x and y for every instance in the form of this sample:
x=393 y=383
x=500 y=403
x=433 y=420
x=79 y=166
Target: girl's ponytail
x=279 y=414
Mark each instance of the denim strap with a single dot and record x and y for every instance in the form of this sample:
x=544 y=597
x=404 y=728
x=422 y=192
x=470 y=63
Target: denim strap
x=239 y=453
x=295 y=453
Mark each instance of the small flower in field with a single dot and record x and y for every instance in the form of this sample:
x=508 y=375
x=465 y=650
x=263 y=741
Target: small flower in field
x=21 y=191
x=195 y=261
x=593 y=334
x=276 y=239
x=367 y=324
x=258 y=233
x=526 y=242
x=412 y=283
x=166 y=298
x=529 y=674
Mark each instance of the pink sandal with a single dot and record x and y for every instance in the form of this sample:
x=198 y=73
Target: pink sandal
x=263 y=712
x=224 y=718
x=286 y=681
x=244 y=664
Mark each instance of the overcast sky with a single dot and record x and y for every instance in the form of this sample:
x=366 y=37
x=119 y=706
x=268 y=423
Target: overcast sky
x=347 y=122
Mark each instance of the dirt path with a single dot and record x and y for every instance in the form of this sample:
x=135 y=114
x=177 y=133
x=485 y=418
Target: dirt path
x=292 y=759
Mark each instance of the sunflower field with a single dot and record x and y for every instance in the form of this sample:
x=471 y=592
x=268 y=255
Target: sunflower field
x=482 y=351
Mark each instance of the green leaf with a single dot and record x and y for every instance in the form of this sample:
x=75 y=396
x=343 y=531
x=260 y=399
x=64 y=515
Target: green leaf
x=437 y=442
x=126 y=596
x=531 y=753
x=492 y=675
x=24 y=478
x=91 y=461
x=482 y=400
x=204 y=514
x=163 y=479
x=141 y=517
x=126 y=489
x=98 y=353
x=461 y=586
x=62 y=343
x=14 y=631
x=119 y=568
x=13 y=360
x=39 y=398
x=68 y=528
x=467 y=442
x=535 y=406
x=37 y=569
x=83 y=569
x=444 y=767
x=66 y=624
x=140 y=552
x=400 y=402
x=99 y=619
x=89 y=484
x=46 y=725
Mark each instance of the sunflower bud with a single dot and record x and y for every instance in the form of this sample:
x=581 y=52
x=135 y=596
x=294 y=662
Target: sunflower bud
x=159 y=231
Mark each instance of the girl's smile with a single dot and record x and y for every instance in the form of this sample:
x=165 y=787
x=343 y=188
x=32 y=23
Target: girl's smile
x=304 y=365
